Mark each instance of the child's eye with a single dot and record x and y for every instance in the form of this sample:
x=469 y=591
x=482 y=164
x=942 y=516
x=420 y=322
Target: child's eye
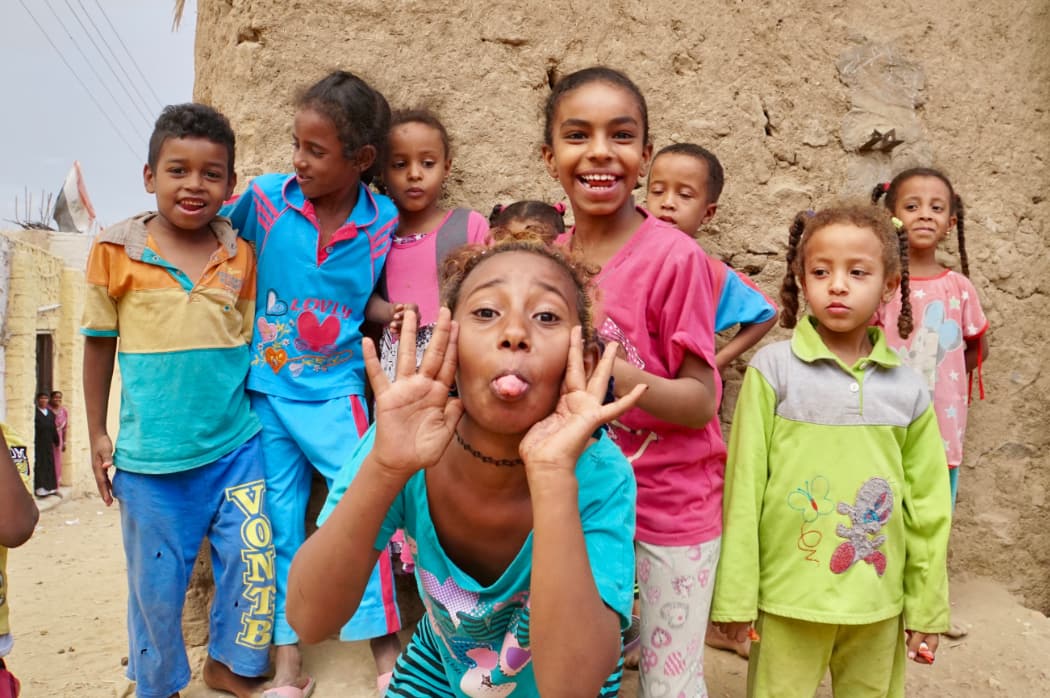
x=624 y=136
x=429 y=163
x=547 y=317
x=176 y=170
x=484 y=313
x=575 y=136
x=316 y=152
x=858 y=272
x=819 y=273
x=213 y=175
x=398 y=164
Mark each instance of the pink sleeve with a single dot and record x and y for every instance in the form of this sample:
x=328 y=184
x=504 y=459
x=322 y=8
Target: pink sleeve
x=477 y=228
x=683 y=305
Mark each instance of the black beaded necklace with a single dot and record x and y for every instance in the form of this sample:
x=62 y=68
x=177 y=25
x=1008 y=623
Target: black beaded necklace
x=504 y=462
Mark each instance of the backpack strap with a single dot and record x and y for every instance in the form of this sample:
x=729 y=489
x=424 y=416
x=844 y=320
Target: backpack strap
x=452 y=234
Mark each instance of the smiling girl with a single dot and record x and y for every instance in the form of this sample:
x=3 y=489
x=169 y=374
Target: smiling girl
x=657 y=304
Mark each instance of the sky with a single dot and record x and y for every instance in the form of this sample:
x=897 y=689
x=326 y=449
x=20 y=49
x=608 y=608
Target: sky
x=97 y=111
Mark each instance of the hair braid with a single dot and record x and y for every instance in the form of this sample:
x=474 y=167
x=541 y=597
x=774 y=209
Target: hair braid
x=789 y=287
x=960 y=218
x=905 y=324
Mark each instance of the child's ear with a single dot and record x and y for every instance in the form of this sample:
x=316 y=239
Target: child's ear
x=951 y=224
x=591 y=356
x=365 y=157
x=147 y=179
x=548 y=160
x=230 y=186
x=892 y=282
x=647 y=159
x=709 y=213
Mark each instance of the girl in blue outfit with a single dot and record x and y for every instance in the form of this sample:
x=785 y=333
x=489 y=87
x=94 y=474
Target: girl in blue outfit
x=321 y=238
x=522 y=507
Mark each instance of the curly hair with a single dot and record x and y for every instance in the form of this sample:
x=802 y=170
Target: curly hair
x=360 y=114
x=191 y=120
x=894 y=243
x=955 y=203
x=459 y=264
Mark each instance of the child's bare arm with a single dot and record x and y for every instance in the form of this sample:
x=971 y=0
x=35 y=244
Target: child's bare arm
x=747 y=337
x=974 y=348
x=688 y=399
x=20 y=513
x=379 y=311
x=575 y=636
x=99 y=354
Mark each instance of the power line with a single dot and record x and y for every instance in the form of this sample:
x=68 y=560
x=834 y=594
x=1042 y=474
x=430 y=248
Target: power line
x=104 y=113
x=135 y=63
x=91 y=65
x=142 y=101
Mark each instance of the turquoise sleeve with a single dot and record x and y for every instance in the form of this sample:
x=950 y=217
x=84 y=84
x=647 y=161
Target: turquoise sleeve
x=741 y=304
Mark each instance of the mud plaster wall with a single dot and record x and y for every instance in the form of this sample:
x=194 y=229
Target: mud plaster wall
x=784 y=95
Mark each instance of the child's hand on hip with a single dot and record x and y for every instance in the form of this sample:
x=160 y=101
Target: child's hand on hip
x=415 y=418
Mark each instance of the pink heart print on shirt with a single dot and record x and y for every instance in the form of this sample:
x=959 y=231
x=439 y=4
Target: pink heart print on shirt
x=317 y=336
x=267 y=330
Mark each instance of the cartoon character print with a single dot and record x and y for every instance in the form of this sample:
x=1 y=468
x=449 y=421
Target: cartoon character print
x=935 y=337
x=490 y=640
x=871 y=511
x=675 y=614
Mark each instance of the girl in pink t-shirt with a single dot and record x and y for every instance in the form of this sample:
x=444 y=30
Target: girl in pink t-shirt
x=950 y=340
x=419 y=159
x=656 y=302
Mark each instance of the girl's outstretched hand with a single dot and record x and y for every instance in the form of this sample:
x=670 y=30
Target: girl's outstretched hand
x=557 y=441
x=415 y=418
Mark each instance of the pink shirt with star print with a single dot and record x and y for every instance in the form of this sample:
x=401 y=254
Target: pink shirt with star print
x=947 y=315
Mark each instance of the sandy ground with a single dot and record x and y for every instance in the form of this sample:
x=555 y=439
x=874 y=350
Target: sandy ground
x=68 y=607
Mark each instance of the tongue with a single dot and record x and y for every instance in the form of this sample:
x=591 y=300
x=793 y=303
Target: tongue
x=510 y=386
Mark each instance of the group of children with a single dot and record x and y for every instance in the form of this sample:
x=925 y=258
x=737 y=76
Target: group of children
x=587 y=455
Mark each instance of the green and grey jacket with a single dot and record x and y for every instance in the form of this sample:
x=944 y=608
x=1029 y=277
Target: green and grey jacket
x=837 y=507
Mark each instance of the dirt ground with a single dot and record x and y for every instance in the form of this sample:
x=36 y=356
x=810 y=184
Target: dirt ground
x=68 y=614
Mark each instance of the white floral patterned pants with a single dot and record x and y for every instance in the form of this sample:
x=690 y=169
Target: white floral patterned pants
x=675 y=587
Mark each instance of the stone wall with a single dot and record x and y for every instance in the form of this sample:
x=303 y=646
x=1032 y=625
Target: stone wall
x=785 y=94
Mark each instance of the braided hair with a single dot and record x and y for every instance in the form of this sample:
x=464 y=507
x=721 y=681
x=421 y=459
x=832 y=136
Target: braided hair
x=955 y=204
x=894 y=254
